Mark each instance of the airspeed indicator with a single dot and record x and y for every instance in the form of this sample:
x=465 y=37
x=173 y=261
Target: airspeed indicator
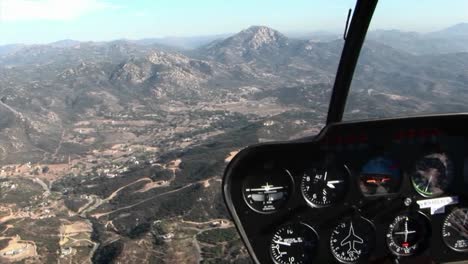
x=294 y=243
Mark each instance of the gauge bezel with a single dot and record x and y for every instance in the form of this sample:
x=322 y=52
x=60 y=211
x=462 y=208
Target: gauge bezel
x=442 y=231
x=370 y=245
x=295 y=223
x=291 y=193
x=347 y=179
x=425 y=243
x=392 y=194
x=450 y=169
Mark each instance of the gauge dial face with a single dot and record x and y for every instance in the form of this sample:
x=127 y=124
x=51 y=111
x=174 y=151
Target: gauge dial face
x=408 y=234
x=351 y=241
x=380 y=176
x=294 y=243
x=266 y=191
x=432 y=174
x=324 y=187
x=455 y=230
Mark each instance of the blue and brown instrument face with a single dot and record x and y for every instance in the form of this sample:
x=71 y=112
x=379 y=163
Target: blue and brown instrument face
x=380 y=176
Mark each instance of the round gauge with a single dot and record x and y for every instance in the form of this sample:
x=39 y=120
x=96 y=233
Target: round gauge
x=351 y=241
x=455 y=230
x=408 y=234
x=294 y=243
x=432 y=174
x=380 y=176
x=324 y=187
x=268 y=190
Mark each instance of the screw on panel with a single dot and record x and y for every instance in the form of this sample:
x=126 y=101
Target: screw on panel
x=408 y=201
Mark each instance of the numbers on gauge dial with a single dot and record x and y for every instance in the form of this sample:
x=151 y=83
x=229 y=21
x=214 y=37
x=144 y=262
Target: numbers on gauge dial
x=408 y=234
x=294 y=243
x=324 y=187
x=352 y=240
x=455 y=230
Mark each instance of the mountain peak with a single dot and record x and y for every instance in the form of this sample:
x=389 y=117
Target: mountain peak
x=258 y=36
x=249 y=44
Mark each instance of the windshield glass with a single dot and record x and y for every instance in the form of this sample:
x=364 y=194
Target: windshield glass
x=117 y=119
x=414 y=61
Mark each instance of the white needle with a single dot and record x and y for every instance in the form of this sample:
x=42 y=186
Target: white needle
x=428 y=183
x=330 y=183
x=325 y=178
x=283 y=243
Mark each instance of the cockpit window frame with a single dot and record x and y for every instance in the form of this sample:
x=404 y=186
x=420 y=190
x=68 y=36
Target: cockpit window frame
x=354 y=40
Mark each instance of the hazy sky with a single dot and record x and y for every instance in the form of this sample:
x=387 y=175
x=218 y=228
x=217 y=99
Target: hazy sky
x=40 y=21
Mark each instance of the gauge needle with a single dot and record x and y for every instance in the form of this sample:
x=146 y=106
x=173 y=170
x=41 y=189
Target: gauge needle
x=331 y=185
x=325 y=178
x=428 y=183
x=406 y=232
x=282 y=243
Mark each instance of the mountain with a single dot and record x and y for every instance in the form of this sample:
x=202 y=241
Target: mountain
x=448 y=40
x=182 y=42
x=5 y=49
x=255 y=42
x=117 y=149
x=66 y=43
x=455 y=31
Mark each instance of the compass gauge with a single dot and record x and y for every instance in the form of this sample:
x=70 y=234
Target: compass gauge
x=268 y=190
x=294 y=243
x=351 y=241
x=455 y=230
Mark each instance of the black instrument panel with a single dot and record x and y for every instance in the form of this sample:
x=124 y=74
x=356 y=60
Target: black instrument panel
x=358 y=192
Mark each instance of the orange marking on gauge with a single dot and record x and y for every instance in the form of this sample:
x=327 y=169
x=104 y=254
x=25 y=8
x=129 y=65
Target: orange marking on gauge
x=377 y=180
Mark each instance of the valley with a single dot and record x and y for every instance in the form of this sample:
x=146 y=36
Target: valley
x=114 y=152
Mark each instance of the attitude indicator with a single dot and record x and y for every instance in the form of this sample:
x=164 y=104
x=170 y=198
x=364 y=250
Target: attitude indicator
x=268 y=190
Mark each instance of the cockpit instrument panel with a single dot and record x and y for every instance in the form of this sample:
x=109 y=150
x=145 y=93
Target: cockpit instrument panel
x=359 y=192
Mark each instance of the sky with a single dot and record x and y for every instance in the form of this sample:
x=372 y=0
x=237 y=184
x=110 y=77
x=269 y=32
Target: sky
x=44 y=21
